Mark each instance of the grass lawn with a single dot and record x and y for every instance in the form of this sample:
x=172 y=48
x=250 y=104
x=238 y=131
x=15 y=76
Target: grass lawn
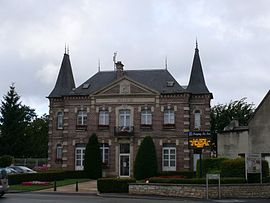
x=41 y=187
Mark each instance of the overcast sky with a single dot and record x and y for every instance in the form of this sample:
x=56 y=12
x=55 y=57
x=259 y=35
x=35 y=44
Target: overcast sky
x=233 y=37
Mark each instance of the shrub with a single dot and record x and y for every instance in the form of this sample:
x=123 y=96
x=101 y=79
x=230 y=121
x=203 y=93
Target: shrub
x=211 y=165
x=146 y=160
x=92 y=160
x=114 y=185
x=233 y=168
x=6 y=160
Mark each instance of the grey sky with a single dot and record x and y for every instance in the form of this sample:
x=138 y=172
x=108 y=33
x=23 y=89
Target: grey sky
x=233 y=36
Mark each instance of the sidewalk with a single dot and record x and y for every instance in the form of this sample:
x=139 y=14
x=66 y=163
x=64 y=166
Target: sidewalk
x=89 y=187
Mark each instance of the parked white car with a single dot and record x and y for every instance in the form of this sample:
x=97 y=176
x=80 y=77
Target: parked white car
x=22 y=169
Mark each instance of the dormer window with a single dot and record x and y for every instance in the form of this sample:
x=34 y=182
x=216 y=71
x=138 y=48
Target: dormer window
x=170 y=83
x=85 y=85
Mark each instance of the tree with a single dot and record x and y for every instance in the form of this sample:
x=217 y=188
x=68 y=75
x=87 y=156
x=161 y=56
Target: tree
x=37 y=134
x=223 y=114
x=14 y=119
x=146 y=160
x=92 y=160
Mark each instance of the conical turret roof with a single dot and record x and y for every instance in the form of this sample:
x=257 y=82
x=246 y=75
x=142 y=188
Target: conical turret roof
x=196 y=82
x=65 y=81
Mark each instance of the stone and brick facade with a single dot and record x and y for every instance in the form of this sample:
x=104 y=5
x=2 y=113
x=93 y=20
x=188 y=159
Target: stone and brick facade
x=122 y=107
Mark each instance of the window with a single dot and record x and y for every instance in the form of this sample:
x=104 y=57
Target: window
x=169 y=158
x=168 y=116
x=103 y=117
x=146 y=117
x=124 y=118
x=104 y=151
x=197 y=119
x=59 y=151
x=81 y=118
x=59 y=122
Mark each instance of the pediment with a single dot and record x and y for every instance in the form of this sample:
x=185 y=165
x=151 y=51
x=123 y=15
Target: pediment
x=126 y=86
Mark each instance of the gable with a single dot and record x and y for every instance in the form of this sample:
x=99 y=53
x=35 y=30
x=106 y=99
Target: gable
x=125 y=86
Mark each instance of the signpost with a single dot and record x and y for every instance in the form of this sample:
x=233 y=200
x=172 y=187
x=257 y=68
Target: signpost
x=212 y=177
x=199 y=140
x=253 y=164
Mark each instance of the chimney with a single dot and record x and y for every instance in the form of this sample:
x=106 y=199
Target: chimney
x=119 y=69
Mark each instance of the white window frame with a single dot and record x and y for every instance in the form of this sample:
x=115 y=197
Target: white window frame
x=104 y=117
x=104 y=150
x=146 y=117
x=169 y=116
x=197 y=119
x=59 y=152
x=79 y=157
x=124 y=118
x=81 y=118
x=171 y=162
x=60 y=120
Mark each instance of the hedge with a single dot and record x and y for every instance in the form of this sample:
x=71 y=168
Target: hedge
x=197 y=181
x=114 y=185
x=211 y=165
x=45 y=176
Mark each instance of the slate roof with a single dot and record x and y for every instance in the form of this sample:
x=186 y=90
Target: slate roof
x=65 y=81
x=155 y=79
x=196 y=82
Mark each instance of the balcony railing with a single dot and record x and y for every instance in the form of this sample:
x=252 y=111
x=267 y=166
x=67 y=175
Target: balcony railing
x=124 y=131
x=81 y=127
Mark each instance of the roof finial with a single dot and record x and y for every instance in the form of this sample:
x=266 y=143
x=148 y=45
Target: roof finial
x=98 y=65
x=65 y=48
x=166 y=63
x=196 y=43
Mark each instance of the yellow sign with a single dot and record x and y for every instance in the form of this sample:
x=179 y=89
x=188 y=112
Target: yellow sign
x=199 y=142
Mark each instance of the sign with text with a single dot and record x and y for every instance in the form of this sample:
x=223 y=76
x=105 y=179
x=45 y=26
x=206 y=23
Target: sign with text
x=253 y=163
x=199 y=140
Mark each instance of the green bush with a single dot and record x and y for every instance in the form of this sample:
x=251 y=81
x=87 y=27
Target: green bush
x=92 y=160
x=145 y=165
x=233 y=168
x=6 y=160
x=114 y=185
x=197 y=181
x=187 y=174
x=210 y=165
x=44 y=176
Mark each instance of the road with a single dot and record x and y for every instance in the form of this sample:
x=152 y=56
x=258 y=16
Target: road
x=66 y=198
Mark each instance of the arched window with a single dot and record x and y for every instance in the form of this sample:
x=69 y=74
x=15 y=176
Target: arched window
x=59 y=123
x=197 y=119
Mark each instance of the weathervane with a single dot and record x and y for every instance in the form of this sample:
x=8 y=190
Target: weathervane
x=114 y=59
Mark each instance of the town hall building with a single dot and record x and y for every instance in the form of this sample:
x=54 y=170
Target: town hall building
x=121 y=107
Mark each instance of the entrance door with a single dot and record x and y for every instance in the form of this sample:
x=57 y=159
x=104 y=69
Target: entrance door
x=124 y=156
x=124 y=165
x=79 y=158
